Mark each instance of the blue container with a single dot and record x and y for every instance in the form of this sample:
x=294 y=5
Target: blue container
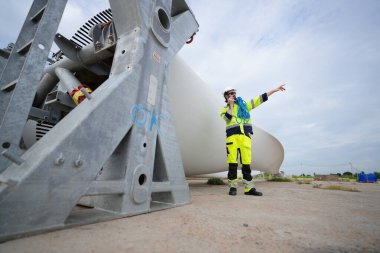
x=367 y=178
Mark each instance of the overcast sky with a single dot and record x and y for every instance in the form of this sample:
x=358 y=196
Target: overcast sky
x=328 y=53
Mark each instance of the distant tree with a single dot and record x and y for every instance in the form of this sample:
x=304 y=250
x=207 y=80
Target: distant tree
x=377 y=174
x=338 y=174
x=347 y=173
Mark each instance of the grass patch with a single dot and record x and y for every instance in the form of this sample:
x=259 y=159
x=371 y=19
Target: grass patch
x=304 y=181
x=336 y=188
x=280 y=179
x=215 y=181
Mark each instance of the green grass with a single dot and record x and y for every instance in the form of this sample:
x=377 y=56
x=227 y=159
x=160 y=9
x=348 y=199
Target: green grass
x=215 y=181
x=302 y=177
x=280 y=179
x=336 y=188
x=304 y=181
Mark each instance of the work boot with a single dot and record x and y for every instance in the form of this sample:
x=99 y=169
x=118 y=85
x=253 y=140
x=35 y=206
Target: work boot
x=232 y=191
x=253 y=191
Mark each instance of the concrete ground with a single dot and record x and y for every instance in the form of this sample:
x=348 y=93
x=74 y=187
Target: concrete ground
x=290 y=217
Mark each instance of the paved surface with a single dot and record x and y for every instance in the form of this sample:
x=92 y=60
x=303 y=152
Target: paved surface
x=288 y=218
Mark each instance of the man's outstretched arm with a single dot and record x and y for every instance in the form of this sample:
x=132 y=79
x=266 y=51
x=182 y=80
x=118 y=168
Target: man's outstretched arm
x=279 y=88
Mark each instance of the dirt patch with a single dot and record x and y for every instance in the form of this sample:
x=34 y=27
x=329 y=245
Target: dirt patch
x=290 y=217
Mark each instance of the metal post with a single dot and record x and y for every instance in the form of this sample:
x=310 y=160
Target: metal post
x=23 y=72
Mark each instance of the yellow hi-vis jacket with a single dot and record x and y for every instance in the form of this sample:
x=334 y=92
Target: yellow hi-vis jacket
x=236 y=125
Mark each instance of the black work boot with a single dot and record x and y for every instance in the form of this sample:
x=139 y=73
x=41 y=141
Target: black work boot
x=253 y=192
x=232 y=191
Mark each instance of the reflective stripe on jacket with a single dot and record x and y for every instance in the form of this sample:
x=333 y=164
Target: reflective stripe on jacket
x=236 y=125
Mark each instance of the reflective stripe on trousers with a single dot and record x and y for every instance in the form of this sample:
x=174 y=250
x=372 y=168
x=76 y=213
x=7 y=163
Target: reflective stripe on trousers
x=233 y=183
x=248 y=185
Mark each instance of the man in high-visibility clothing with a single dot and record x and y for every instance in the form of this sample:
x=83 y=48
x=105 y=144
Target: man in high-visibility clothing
x=239 y=131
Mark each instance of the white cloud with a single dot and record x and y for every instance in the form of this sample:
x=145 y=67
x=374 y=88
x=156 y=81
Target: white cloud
x=310 y=125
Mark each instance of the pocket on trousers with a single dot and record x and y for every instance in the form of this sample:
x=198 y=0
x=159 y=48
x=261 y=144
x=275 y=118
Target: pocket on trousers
x=247 y=142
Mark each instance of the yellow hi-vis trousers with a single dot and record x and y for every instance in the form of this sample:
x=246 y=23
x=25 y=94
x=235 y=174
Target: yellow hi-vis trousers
x=239 y=143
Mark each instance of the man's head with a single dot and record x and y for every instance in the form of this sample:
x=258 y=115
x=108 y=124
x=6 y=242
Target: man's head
x=228 y=92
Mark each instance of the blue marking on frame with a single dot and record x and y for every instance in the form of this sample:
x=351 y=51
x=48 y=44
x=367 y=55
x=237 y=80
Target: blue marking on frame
x=137 y=110
x=153 y=120
x=139 y=114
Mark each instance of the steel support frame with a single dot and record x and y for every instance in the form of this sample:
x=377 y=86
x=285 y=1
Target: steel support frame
x=119 y=147
x=23 y=70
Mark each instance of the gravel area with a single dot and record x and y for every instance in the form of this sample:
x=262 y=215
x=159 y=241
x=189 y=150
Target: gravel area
x=290 y=217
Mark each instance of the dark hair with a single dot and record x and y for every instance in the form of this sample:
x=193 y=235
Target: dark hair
x=225 y=96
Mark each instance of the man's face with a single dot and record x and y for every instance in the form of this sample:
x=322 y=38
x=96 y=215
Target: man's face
x=231 y=93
